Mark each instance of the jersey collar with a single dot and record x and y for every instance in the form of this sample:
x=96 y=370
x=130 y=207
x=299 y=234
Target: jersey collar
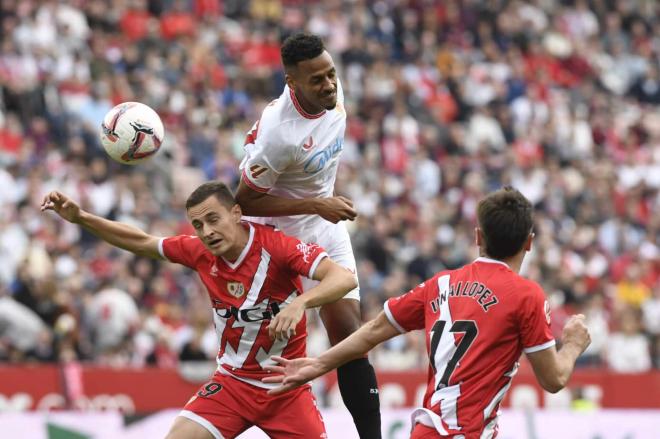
x=490 y=261
x=300 y=109
x=246 y=249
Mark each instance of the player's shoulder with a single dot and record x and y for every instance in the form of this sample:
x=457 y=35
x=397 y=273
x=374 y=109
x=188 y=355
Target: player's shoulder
x=190 y=241
x=433 y=284
x=190 y=244
x=525 y=291
x=279 y=117
x=266 y=235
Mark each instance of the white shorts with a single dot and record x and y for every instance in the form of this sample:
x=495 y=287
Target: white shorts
x=337 y=242
x=334 y=238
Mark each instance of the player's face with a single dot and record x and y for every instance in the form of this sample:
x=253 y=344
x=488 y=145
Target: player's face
x=315 y=83
x=219 y=228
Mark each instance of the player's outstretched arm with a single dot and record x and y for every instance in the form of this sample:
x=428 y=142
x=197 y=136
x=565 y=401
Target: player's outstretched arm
x=335 y=282
x=552 y=368
x=294 y=373
x=115 y=233
x=255 y=203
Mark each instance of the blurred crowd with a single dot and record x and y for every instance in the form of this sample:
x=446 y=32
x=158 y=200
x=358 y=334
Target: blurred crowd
x=446 y=101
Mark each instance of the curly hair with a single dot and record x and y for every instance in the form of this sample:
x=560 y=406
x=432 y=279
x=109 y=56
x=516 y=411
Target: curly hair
x=300 y=47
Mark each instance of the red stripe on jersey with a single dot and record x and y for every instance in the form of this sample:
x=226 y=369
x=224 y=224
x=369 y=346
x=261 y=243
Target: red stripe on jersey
x=300 y=109
x=253 y=186
x=252 y=135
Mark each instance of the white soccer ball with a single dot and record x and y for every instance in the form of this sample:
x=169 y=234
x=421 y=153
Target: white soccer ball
x=131 y=133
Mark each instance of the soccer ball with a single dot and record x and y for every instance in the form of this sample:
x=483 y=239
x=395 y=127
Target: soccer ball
x=131 y=133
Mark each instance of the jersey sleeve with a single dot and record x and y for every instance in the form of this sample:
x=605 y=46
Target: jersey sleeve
x=535 y=322
x=266 y=157
x=406 y=312
x=300 y=257
x=182 y=249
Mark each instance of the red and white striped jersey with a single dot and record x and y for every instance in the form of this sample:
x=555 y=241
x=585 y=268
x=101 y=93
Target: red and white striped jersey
x=292 y=154
x=478 y=320
x=247 y=293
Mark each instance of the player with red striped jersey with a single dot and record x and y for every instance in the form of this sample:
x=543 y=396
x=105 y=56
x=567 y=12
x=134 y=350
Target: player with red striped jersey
x=288 y=178
x=252 y=275
x=478 y=320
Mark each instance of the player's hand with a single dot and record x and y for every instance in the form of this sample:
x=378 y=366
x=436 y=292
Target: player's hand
x=292 y=373
x=62 y=205
x=284 y=324
x=576 y=333
x=335 y=209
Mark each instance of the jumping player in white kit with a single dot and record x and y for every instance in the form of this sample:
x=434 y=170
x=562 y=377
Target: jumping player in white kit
x=288 y=176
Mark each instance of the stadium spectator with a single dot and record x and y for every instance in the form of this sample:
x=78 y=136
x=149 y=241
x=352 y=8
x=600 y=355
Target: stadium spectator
x=591 y=135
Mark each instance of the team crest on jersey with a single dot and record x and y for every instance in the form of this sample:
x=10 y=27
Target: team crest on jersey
x=236 y=289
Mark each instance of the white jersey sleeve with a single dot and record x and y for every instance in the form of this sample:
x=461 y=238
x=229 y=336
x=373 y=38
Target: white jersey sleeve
x=267 y=156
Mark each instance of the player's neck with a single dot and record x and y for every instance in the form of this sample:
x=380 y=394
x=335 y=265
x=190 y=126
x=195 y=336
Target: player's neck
x=514 y=262
x=235 y=252
x=307 y=106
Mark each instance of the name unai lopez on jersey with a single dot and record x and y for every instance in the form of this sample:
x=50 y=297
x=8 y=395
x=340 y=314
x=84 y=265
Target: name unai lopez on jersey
x=475 y=290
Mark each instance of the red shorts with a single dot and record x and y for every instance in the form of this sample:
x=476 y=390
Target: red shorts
x=226 y=407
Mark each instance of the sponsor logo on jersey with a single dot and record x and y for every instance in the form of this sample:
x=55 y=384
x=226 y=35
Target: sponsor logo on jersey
x=253 y=314
x=236 y=289
x=309 y=145
x=319 y=159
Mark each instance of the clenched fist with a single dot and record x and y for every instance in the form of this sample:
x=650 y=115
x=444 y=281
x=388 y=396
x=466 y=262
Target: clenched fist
x=576 y=333
x=335 y=209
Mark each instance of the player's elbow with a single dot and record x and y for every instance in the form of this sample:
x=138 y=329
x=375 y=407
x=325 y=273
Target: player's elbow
x=247 y=198
x=350 y=279
x=345 y=278
x=351 y=283
x=552 y=384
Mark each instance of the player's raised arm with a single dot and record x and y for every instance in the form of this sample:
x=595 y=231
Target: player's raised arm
x=294 y=373
x=335 y=282
x=257 y=203
x=552 y=368
x=115 y=233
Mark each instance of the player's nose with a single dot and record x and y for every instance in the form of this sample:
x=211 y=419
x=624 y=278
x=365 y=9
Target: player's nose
x=207 y=231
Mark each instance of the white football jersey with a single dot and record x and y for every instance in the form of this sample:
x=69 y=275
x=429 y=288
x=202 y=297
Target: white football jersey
x=292 y=154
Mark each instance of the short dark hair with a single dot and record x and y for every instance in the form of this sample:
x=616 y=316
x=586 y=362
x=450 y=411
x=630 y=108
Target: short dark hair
x=300 y=47
x=211 y=188
x=505 y=219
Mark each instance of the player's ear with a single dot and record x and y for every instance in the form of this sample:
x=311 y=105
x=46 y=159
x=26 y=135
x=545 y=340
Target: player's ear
x=236 y=213
x=289 y=79
x=528 y=243
x=478 y=239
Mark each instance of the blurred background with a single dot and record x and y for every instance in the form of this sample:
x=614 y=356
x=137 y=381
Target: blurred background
x=446 y=101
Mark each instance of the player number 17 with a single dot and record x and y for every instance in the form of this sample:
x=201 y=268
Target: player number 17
x=469 y=328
